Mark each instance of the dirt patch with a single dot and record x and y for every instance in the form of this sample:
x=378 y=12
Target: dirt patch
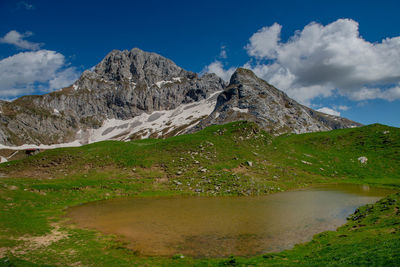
x=162 y=180
x=3 y=252
x=240 y=169
x=35 y=242
x=29 y=243
x=13 y=154
x=138 y=135
x=155 y=172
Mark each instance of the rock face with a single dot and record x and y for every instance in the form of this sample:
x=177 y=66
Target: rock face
x=125 y=84
x=136 y=94
x=248 y=97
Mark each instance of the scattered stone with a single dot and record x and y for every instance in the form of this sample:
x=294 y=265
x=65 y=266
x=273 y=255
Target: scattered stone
x=249 y=163
x=177 y=182
x=386 y=132
x=363 y=160
x=203 y=170
x=306 y=162
x=178 y=173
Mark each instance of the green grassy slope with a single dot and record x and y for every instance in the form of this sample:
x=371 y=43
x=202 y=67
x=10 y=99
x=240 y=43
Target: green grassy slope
x=233 y=159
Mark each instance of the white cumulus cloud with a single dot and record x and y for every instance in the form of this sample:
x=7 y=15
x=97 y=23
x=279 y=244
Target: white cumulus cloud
x=329 y=111
x=15 y=38
x=318 y=60
x=264 y=42
x=33 y=72
x=218 y=68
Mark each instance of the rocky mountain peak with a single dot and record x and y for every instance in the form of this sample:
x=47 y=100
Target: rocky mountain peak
x=139 y=66
x=245 y=83
x=248 y=97
x=242 y=75
x=123 y=86
x=137 y=94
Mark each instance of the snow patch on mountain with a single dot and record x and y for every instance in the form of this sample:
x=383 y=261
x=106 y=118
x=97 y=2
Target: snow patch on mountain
x=243 y=110
x=156 y=124
x=75 y=143
x=162 y=83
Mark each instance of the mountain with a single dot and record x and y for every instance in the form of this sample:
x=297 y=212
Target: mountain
x=136 y=94
x=250 y=98
x=124 y=85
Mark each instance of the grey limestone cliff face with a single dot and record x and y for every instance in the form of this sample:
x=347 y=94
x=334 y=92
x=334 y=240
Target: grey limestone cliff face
x=248 y=97
x=123 y=85
x=126 y=84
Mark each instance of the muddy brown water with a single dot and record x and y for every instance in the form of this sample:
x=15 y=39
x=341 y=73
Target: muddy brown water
x=223 y=226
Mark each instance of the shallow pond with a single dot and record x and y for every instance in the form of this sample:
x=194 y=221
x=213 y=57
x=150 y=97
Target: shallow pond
x=223 y=226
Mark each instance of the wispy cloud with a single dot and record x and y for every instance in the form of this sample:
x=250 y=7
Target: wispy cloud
x=18 y=39
x=329 y=111
x=343 y=107
x=223 y=53
x=25 y=5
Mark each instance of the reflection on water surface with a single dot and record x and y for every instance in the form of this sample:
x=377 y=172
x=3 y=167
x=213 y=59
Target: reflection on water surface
x=223 y=226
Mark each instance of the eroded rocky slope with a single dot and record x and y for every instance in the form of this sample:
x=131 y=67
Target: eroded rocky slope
x=124 y=85
x=136 y=94
x=248 y=97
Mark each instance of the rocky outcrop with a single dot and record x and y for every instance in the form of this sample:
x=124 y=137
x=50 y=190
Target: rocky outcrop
x=136 y=94
x=248 y=97
x=123 y=85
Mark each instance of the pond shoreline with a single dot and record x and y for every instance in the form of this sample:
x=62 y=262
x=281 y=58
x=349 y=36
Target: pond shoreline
x=106 y=212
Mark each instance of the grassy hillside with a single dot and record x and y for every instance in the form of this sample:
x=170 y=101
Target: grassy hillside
x=232 y=159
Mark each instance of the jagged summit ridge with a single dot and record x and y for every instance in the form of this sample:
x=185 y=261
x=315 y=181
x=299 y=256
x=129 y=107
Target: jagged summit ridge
x=124 y=85
x=137 y=94
x=139 y=66
x=248 y=97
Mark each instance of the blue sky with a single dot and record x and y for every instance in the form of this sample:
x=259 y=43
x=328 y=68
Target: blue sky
x=337 y=56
